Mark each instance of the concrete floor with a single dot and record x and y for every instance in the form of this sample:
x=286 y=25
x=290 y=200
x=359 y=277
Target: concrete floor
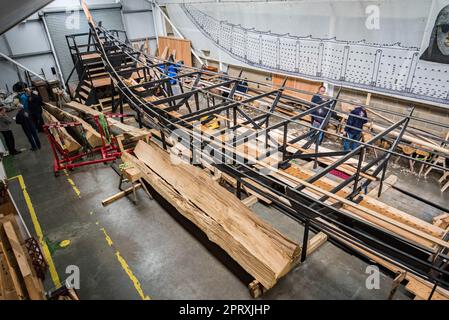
x=162 y=251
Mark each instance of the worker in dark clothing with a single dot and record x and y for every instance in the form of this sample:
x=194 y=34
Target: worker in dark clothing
x=356 y=120
x=36 y=111
x=23 y=118
x=242 y=86
x=321 y=113
x=5 y=122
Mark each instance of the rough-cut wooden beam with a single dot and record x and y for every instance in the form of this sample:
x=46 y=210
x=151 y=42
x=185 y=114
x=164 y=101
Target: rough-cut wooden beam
x=415 y=285
x=251 y=200
x=63 y=138
x=261 y=250
x=92 y=136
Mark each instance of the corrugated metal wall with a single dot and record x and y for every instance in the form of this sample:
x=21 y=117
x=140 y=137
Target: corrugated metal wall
x=61 y=24
x=26 y=43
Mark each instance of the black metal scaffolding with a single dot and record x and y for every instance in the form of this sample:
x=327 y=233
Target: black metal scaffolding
x=262 y=114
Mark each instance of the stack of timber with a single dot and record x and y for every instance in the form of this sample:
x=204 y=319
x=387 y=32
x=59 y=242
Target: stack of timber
x=261 y=250
x=18 y=278
x=91 y=135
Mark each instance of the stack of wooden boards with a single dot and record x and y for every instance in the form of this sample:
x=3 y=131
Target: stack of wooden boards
x=18 y=278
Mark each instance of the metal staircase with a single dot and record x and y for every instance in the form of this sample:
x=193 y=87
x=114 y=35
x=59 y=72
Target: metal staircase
x=94 y=83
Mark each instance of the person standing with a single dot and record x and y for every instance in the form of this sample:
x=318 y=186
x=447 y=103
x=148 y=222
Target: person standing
x=23 y=118
x=357 y=118
x=36 y=111
x=321 y=113
x=5 y=123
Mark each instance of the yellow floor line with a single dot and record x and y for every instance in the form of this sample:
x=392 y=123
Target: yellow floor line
x=72 y=183
x=125 y=267
x=37 y=227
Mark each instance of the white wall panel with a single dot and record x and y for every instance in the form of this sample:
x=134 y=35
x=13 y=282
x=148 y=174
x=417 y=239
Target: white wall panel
x=8 y=75
x=139 y=25
x=27 y=38
x=130 y=5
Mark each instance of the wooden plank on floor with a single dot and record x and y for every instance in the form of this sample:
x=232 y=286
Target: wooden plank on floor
x=62 y=136
x=119 y=195
x=317 y=241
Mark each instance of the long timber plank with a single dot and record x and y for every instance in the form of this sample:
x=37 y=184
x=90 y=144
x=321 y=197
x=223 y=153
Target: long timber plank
x=261 y=250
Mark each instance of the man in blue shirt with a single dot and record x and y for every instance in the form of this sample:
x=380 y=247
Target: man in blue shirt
x=24 y=98
x=319 y=114
x=357 y=118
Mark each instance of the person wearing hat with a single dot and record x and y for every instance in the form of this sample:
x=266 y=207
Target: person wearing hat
x=5 y=123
